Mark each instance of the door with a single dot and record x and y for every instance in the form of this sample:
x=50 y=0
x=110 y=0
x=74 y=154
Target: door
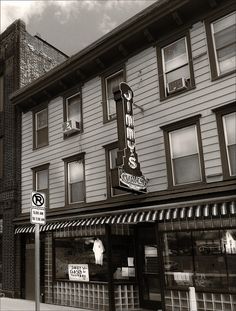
x=148 y=268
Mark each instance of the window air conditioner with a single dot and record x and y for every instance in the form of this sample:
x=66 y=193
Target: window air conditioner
x=70 y=126
x=176 y=85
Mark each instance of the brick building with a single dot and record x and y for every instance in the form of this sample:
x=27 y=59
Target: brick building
x=23 y=58
x=104 y=248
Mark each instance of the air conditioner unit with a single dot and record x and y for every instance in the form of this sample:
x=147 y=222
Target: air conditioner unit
x=176 y=85
x=70 y=126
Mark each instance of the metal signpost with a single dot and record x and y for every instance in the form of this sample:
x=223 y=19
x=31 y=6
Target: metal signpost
x=37 y=217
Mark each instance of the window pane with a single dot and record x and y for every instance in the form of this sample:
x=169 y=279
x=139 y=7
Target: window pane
x=225 y=37
x=186 y=169
x=182 y=72
x=230 y=126
x=76 y=171
x=113 y=156
x=225 y=42
x=73 y=108
x=229 y=245
x=111 y=83
x=42 y=180
x=225 y=22
x=232 y=159
x=231 y=260
x=230 y=139
x=123 y=258
x=42 y=137
x=227 y=58
x=76 y=192
x=184 y=142
x=41 y=119
x=178 y=261
x=210 y=265
x=175 y=55
x=76 y=251
x=112 y=164
x=76 y=181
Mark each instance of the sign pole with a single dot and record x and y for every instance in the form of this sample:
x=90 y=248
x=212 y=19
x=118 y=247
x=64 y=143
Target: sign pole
x=37 y=217
x=37 y=268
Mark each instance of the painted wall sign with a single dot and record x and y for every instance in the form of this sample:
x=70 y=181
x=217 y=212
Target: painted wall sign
x=127 y=175
x=78 y=272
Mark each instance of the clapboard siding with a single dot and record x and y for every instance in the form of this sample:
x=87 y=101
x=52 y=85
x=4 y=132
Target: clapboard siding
x=142 y=76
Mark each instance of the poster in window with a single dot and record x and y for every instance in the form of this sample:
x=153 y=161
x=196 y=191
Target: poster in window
x=78 y=272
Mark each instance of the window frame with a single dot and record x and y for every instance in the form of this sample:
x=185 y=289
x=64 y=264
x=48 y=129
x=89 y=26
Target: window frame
x=160 y=63
x=220 y=112
x=110 y=194
x=78 y=157
x=195 y=120
x=66 y=96
x=104 y=77
x=35 y=113
x=73 y=238
x=193 y=256
x=35 y=170
x=211 y=46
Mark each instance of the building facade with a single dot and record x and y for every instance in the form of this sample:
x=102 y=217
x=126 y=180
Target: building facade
x=23 y=58
x=104 y=248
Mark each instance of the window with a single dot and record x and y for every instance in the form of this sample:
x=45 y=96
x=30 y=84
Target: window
x=204 y=259
x=229 y=123
x=226 y=123
x=41 y=180
x=177 y=257
x=1 y=93
x=175 y=69
x=109 y=83
x=75 y=185
x=41 y=128
x=1 y=157
x=123 y=265
x=90 y=251
x=222 y=44
x=184 y=152
x=111 y=155
x=73 y=113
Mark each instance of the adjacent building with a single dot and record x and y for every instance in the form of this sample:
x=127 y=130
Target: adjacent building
x=23 y=58
x=106 y=248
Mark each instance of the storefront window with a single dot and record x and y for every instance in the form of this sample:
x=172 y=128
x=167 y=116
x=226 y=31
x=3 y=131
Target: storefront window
x=210 y=265
x=123 y=258
x=178 y=261
x=228 y=239
x=204 y=259
x=81 y=259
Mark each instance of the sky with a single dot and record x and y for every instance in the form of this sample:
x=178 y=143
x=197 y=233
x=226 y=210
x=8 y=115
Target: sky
x=69 y=25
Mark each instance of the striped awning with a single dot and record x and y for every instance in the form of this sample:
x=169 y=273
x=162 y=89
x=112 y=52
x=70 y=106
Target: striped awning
x=197 y=212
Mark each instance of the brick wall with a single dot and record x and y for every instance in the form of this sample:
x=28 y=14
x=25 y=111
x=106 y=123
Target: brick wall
x=36 y=58
x=23 y=58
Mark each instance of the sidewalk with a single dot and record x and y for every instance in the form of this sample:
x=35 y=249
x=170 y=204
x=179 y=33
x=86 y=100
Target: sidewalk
x=9 y=304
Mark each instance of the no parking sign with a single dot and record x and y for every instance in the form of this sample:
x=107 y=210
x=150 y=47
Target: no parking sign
x=37 y=211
